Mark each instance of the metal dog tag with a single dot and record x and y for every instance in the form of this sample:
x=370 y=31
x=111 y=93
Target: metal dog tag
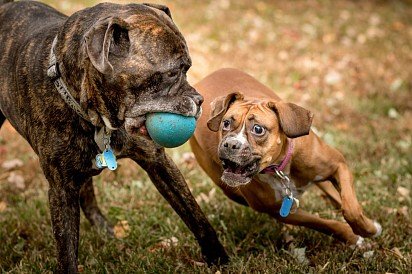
x=110 y=159
x=106 y=159
x=100 y=162
x=287 y=204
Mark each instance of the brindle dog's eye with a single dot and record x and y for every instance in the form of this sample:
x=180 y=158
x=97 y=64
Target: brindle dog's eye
x=258 y=130
x=226 y=124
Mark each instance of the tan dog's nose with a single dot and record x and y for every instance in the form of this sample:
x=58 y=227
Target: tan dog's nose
x=232 y=144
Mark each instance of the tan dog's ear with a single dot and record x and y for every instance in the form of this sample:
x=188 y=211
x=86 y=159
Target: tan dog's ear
x=219 y=107
x=294 y=120
x=107 y=36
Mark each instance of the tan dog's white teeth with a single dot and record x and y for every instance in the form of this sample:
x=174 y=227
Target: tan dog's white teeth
x=278 y=141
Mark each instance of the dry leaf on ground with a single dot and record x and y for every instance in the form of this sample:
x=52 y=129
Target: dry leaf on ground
x=121 y=229
x=206 y=198
x=164 y=244
x=404 y=192
x=368 y=254
x=17 y=180
x=397 y=252
x=12 y=164
x=3 y=206
x=300 y=255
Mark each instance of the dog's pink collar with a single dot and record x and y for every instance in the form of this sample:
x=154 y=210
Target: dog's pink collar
x=281 y=166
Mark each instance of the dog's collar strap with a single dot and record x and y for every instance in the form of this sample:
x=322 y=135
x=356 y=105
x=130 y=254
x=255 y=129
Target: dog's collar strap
x=273 y=169
x=54 y=73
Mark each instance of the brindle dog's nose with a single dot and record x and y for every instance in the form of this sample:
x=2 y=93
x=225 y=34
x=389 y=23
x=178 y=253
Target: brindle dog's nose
x=232 y=144
x=198 y=99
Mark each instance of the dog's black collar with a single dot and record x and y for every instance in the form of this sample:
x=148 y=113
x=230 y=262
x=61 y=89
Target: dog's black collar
x=54 y=74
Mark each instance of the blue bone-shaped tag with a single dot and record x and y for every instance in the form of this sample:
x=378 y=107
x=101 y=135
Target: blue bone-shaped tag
x=110 y=159
x=287 y=204
x=106 y=159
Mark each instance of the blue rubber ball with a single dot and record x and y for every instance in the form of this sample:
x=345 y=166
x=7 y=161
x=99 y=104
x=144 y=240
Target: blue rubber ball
x=170 y=129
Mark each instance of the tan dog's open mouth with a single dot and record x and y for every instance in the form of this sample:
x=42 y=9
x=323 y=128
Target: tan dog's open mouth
x=235 y=174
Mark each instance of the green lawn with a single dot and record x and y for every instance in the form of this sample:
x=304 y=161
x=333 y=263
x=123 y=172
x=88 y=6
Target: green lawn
x=348 y=62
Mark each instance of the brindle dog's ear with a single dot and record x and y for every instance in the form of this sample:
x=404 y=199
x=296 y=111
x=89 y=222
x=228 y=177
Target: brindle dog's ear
x=160 y=7
x=294 y=120
x=219 y=107
x=106 y=37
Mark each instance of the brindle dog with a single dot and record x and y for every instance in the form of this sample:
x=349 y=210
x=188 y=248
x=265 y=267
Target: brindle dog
x=118 y=62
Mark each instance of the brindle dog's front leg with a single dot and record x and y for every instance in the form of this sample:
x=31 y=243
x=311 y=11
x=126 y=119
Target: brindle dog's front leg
x=65 y=217
x=171 y=184
x=90 y=208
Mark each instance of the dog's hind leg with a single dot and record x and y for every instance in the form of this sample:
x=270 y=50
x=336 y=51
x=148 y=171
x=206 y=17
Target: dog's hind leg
x=90 y=208
x=331 y=193
x=351 y=209
x=340 y=230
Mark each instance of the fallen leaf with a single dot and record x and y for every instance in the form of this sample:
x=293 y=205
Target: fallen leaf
x=17 y=180
x=12 y=164
x=196 y=263
x=332 y=77
x=80 y=268
x=205 y=198
x=396 y=84
x=404 y=211
x=368 y=254
x=300 y=255
x=188 y=158
x=164 y=244
x=121 y=229
x=169 y=242
x=3 y=206
x=287 y=237
x=397 y=252
x=393 y=113
x=404 y=192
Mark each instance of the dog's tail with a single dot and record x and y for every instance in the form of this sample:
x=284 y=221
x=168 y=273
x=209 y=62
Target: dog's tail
x=5 y=1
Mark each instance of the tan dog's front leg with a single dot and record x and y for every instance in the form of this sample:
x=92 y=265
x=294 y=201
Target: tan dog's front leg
x=341 y=231
x=351 y=209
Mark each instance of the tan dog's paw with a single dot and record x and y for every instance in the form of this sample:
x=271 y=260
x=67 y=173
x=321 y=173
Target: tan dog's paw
x=378 y=229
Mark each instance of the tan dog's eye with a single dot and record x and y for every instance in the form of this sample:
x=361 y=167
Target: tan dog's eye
x=226 y=125
x=258 y=130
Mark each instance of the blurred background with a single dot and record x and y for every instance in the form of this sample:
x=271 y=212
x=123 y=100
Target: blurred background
x=349 y=62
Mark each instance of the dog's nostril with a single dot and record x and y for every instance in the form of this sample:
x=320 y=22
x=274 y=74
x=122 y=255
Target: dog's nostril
x=199 y=99
x=225 y=144
x=235 y=147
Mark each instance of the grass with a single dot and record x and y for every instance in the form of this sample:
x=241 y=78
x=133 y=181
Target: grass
x=348 y=62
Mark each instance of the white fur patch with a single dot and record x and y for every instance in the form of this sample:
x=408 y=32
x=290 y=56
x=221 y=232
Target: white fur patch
x=378 y=228
x=318 y=178
x=359 y=243
x=107 y=123
x=241 y=136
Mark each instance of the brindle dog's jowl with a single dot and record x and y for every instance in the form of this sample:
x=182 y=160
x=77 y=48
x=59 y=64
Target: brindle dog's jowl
x=119 y=62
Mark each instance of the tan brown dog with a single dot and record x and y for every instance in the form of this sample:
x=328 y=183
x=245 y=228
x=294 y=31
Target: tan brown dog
x=260 y=150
